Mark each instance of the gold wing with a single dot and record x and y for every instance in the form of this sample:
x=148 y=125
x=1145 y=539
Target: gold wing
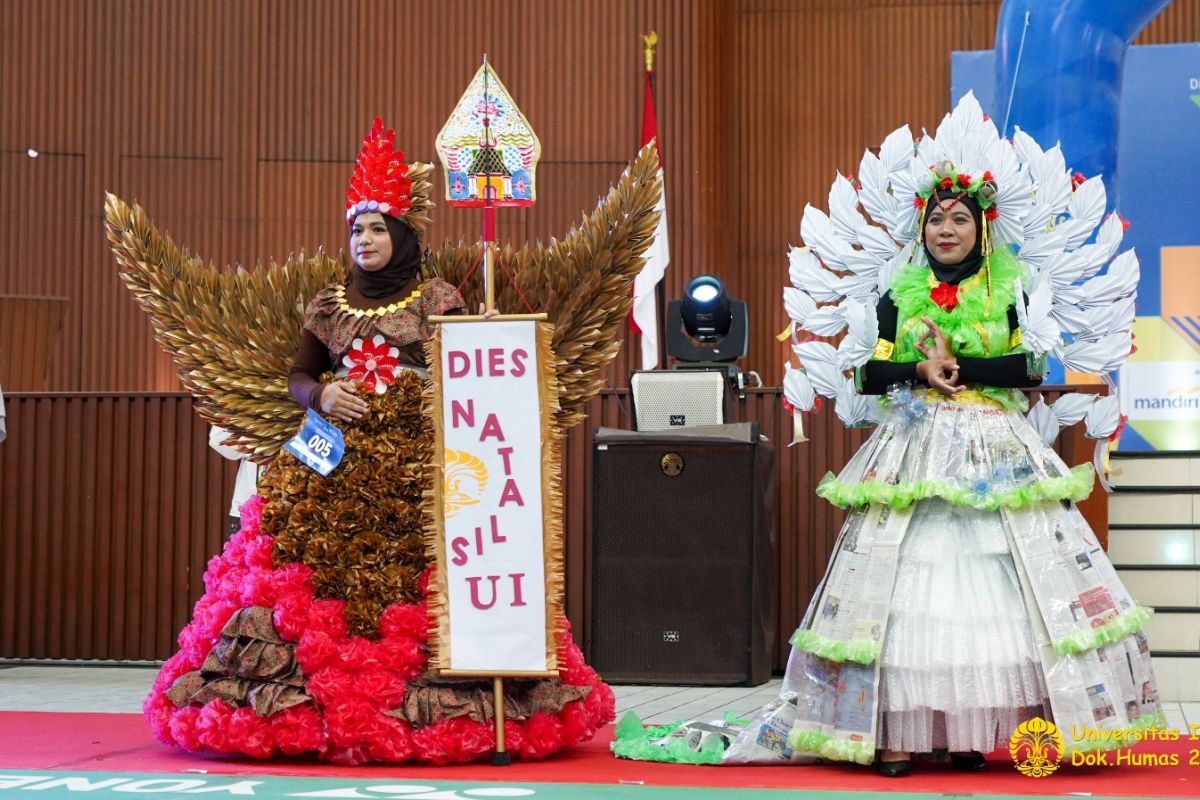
x=582 y=282
x=233 y=334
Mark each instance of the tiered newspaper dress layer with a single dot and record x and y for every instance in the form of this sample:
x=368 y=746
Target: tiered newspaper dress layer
x=965 y=594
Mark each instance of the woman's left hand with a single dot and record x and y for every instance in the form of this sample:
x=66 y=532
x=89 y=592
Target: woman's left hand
x=940 y=349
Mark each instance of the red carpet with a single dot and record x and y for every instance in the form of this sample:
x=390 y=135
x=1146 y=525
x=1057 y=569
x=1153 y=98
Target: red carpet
x=122 y=743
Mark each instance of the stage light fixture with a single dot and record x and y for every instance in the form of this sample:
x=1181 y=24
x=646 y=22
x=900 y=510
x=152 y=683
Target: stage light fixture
x=705 y=332
x=706 y=328
x=705 y=309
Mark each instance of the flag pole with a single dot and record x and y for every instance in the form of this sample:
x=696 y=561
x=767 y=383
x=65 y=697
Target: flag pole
x=500 y=756
x=489 y=263
x=660 y=320
x=650 y=41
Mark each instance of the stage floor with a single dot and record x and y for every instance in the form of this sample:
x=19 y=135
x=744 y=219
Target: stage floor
x=77 y=732
x=121 y=690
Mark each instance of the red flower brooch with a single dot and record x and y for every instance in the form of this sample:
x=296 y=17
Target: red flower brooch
x=372 y=363
x=945 y=295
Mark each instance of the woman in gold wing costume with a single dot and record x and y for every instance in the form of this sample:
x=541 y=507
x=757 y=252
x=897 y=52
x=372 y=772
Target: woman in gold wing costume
x=311 y=636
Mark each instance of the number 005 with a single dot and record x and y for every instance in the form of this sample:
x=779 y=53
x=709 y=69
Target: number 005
x=320 y=445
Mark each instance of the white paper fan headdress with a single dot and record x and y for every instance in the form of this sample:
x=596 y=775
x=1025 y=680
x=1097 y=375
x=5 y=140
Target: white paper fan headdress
x=1030 y=203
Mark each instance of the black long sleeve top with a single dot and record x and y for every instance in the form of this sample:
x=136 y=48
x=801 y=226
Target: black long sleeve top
x=1010 y=371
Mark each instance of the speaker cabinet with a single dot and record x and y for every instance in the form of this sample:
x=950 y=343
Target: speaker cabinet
x=670 y=399
x=683 y=558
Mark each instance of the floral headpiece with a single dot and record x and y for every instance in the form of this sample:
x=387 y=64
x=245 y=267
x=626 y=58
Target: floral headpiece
x=945 y=175
x=382 y=182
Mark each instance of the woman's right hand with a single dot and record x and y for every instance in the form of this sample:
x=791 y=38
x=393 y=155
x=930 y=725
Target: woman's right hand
x=940 y=368
x=339 y=401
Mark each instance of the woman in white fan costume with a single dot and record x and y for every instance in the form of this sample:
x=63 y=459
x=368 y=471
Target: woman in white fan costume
x=966 y=594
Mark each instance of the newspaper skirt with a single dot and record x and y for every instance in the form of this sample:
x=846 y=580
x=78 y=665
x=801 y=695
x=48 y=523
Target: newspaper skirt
x=965 y=594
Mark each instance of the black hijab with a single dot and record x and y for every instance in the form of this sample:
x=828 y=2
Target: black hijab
x=956 y=273
x=403 y=266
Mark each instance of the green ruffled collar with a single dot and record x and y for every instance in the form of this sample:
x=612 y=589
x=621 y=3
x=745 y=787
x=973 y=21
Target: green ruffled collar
x=984 y=296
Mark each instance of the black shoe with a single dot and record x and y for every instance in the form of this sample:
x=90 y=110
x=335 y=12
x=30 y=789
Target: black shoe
x=894 y=769
x=968 y=762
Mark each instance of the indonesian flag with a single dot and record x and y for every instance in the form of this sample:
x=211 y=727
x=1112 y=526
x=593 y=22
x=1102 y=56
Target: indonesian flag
x=644 y=318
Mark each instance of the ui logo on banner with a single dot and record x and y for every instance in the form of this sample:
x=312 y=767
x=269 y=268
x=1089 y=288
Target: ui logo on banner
x=1036 y=747
x=465 y=481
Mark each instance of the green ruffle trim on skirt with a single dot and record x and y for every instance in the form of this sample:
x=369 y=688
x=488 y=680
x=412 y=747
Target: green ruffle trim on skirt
x=826 y=746
x=860 y=651
x=1074 y=486
x=632 y=741
x=1158 y=720
x=1112 y=631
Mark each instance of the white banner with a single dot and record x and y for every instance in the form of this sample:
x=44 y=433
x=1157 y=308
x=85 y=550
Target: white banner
x=1161 y=390
x=492 y=497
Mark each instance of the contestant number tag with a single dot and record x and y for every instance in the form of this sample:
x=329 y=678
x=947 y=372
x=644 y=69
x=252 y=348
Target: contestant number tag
x=319 y=444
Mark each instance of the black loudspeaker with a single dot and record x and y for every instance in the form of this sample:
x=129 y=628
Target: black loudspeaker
x=683 y=557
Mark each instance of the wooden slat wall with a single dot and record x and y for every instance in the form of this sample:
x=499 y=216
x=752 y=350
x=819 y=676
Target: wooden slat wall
x=30 y=331
x=235 y=122
x=1180 y=22
x=110 y=507
x=103 y=545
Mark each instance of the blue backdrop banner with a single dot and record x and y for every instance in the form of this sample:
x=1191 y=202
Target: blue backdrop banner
x=1159 y=163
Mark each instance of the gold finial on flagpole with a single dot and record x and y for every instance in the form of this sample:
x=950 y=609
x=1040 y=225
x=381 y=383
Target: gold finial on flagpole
x=651 y=39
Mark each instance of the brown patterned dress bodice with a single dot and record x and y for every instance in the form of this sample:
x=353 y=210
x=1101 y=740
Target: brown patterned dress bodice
x=337 y=325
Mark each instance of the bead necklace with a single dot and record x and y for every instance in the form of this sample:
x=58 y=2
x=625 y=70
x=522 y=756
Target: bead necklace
x=340 y=295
